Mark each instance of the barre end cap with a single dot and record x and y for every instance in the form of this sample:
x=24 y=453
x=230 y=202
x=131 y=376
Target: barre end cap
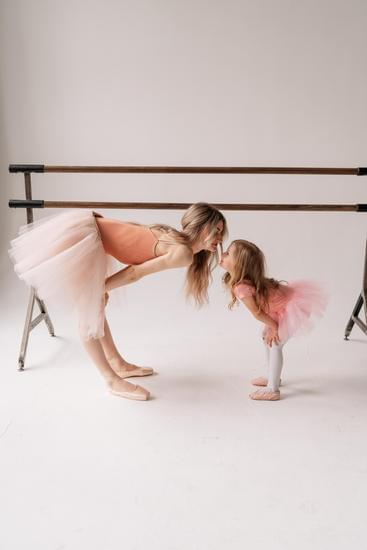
x=26 y=168
x=14 y=203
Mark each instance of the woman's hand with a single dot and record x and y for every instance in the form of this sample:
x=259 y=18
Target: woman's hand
x=271 y=335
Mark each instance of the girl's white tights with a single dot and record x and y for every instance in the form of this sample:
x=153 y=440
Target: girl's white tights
x=274 y=359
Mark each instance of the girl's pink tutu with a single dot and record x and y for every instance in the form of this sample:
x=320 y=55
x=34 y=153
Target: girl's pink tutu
x=291 y=305
x=295 y=305
x=63 y=259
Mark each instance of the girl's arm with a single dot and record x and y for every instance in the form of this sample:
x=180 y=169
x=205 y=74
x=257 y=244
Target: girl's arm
x=178 y=256
x=272 y=332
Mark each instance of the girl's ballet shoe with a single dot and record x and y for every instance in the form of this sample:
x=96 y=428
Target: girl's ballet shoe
x=137 y=392
x=265 y=395
x=261 y=381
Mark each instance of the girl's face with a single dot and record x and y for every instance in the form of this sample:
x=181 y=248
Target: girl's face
x=227 y=260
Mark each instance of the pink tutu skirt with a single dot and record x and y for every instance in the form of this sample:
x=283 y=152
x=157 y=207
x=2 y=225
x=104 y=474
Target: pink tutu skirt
x=304 y=301
x=63 y=259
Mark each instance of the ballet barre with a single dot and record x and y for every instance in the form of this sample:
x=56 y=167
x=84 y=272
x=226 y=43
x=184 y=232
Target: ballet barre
x=13 y=203
x=29 y=204
x=41 y=168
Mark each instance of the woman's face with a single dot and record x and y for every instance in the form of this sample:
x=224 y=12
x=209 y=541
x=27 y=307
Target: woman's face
x=212 y=243
x=227 y=260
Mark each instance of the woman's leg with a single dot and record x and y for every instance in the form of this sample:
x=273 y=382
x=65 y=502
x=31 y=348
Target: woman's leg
x=115 y=384
x=121 y=367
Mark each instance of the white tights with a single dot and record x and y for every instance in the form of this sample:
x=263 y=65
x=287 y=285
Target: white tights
x=274 y=360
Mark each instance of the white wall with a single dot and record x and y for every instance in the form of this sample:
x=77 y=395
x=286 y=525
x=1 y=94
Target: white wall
x=195 y=83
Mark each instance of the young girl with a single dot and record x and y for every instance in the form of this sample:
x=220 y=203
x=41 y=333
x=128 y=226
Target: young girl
x=284 y=309
x=64 y=257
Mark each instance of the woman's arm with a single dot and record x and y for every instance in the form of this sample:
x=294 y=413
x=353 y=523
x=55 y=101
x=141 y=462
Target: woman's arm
x=272 y=333
x=178 y=256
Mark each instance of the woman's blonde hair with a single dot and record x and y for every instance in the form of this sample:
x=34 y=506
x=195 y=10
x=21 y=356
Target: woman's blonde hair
x=249 y=267
x=198 y=216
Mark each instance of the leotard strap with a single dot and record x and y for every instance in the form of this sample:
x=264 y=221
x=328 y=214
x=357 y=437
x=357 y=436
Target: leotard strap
x=159 y=241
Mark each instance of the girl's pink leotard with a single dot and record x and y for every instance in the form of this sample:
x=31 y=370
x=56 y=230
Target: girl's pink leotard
x=129 y=243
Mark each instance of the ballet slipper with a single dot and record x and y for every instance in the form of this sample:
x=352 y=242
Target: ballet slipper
x=129 y=373
x=137 y=371
x=265 y=395
x=136 y=392
x=261 y=381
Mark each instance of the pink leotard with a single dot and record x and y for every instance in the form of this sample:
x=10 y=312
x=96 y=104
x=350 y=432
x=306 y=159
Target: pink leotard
x=129 y=243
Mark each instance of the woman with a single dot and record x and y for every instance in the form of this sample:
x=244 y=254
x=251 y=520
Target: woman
x=65 y=258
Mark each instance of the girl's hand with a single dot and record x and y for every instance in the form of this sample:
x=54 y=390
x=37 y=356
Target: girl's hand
x=272 y=336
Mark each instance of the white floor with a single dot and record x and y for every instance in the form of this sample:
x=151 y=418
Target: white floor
x=200 y=466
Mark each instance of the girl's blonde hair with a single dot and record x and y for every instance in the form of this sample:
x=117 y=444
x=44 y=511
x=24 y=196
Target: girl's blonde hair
x=197 y=217
x=250 y=267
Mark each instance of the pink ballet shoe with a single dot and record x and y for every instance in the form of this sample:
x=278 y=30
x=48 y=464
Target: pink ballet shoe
x=137 y=371
x=137 y=392
x=261 y=381
x=265 y=395
x=129 y=373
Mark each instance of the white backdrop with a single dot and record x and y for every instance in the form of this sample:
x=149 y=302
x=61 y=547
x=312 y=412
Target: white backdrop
x=265 y=82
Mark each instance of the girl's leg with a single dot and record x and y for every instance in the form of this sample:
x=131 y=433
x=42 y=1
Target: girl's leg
x=267 y=350
x=115 y=384
x=121 y=367
x=271 y=392
x=263 y=380
x=275 y=367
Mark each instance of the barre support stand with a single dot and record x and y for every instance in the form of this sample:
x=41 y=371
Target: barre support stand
x=361 y=301
x=30 y=322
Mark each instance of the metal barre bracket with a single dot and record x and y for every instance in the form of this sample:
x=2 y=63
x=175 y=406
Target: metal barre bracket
x=14 y=203
x=26 y=168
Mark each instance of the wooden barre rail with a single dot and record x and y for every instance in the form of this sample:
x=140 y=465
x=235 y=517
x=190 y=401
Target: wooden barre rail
x=41 y=168
x=183 y=206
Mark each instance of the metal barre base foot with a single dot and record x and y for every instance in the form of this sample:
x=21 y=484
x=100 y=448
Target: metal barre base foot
x=31 y=323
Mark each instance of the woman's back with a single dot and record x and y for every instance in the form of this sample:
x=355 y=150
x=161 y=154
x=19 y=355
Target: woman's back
x=129 y=243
